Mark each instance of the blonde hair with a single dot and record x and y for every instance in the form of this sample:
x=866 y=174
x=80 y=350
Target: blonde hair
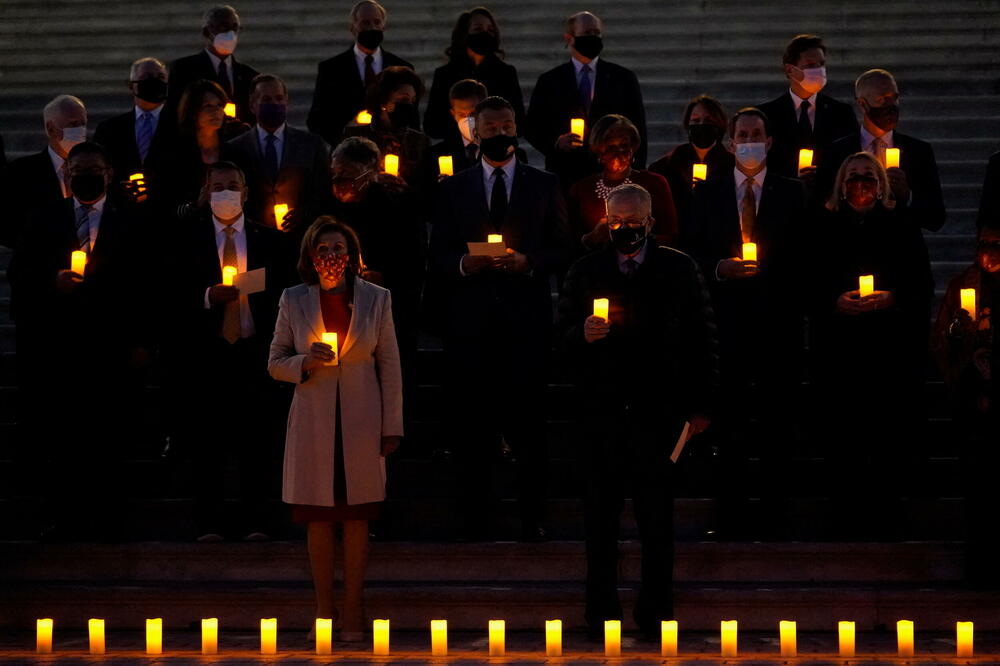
x=833 y=203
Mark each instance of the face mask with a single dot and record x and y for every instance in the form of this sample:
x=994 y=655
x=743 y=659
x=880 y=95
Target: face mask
x=370 y=39
x=87 y=186
x=703 y=136
x=225 y=42
x=270 y=114
x=861 y=191
x=751 y=156
x=404 y=116
x=885 y=117
x=151 y=90
x=71 y=137
x=616 y=160
x=813 y=79
x=466 y=126
x=227 y=204
x=589 y=46
x=628 y=240
x=331 y=267
x=482 y=43
x=498 y=148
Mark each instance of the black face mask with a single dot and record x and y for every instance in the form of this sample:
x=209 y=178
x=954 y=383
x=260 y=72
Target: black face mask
x=589 y=46
x=151 y=90
x=628 y=240
x=703 y=136
x=87 y=186
x=885 y=117
x=404 y=116
x=482 y=43
x=496 y=148
x=370 y=39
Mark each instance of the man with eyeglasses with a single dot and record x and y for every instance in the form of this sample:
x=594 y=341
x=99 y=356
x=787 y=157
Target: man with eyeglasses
x=642 y=372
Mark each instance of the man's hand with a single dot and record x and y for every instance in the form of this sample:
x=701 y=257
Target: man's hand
x=514 y=262
x=221 y=294
x=471 y=264
x=595 y=328
x=735 y=268
x=851 y=304
x=568 y=142
x=67 y=281
x=390 y=444
x=808 y=176
x=319 y=355
x=899 y=184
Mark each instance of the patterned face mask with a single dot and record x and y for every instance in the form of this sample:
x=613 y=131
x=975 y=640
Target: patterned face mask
x=331 y=267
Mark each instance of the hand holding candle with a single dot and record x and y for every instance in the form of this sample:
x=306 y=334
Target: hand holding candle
x=331 y=339
x=280 y=211
x=577 y=126
x=601 y=306
x=446 y=166
x=805 y=158
x=229 y=275
x=968 y=297
x=699 y=172
x=78 y=262
x=392 y=164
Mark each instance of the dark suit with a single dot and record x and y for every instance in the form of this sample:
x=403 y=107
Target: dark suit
x=555 y=101
x=656 y=368
x=30 y=184
x=833 y=120
x=117 y=135
x=340 y=93
x=496 y=320
x=989 y=204
x=185 y=71
x=499 y=78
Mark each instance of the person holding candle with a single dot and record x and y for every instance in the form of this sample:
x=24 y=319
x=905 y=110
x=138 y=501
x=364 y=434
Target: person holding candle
x=345 y=418
x=460 y=145
x=657 y=300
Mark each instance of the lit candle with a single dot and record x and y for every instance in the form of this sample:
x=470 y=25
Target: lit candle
x=380 y=638
x=96 y=628
x=43 y=636
x=553 y=638
x=749 y=251
x=612 y=638
x=789 y=647
x=601 y=306
x=331 y=339
x=497 y=638
x=230 y=110
x=577 y=126
x=136 y=176
x=228 y=275
x=494 y=238
x=392 y=164
x=210 y=635
x=904 y=638
x=866 y=285
x=78 y=261
x=846 y=629
x=891 y=158
x=668 y=638
x=730 y=631
x=269 y=635
x=969 y=301
x=280 y=211
x=699 y=171
x=963 y=639
x=364 y=118
x=446 y=165
x=324 y=635
x=805 y=158
x=439 y=638
x=154 y=635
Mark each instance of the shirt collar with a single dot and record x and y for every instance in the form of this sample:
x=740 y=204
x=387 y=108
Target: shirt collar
x=216 y=60
x=279 y=133
x=797 y=101
x=361 y=55
x=57 y=161
x=638 y=258
x=97 y=205
x=155 y=112
x=577 y=65
x=867 y=138
x=508 y=169
x=742 y=177
x=238 y=225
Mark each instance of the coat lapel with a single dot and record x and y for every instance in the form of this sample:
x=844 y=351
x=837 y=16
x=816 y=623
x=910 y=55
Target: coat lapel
x=360 y=314
x=312 y=312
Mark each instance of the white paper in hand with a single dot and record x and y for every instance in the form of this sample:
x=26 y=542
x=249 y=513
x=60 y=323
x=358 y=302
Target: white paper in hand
x=487 y=249
x=681 y=441
x=250 y=282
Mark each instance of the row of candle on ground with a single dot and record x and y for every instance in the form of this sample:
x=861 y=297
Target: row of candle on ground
x=497 y=637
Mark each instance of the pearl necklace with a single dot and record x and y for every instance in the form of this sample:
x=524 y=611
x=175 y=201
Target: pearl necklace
x=604 y=191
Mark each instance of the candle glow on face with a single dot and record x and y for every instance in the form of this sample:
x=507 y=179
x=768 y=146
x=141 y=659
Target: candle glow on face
x=577 y=126
x=497 y=638
x=380 y=638
x=846 y=637
x=210 y=635
x=730 y=632
x=392 y=164
x=904 y=638
x=43 y=636
x=553 y=638
x=446 y=165
x=154 y=635
x=805 y=158
x=96 y=631
x=269 y=635
x=439 y=638
x=699 y=171
x=668 y=638
x=612 y=638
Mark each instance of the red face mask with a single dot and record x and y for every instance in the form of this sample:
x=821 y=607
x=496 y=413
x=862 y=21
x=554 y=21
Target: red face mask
x=331 y=267
x=861 y=191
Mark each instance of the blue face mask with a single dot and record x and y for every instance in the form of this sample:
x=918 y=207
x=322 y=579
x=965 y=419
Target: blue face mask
x=751 y=156
x=270 y=114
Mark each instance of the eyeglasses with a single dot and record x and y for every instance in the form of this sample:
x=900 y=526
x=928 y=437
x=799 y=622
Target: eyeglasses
x=346 y=181
x=630 y=222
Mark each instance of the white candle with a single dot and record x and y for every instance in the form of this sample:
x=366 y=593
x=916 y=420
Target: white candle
x=612 y=638
x=892 y=158
x=963 y=639
x=269 y=635
x=904 y=638
x=392 y=164
x=846 y=631
x=789 y=647
x=699 y=171
x=729 y=630
x=380 y=638
x=866 y=285
x=78 y=262
x=668 y=638
x=324 y=635
x=229 y=275
x=96 y=631
x=497 y=638
x=446 y=165
x=439 y=638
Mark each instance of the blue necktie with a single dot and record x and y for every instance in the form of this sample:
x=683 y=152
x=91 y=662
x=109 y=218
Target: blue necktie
x=83 y=227
x=144 y=135
x=271 y=158
x=586 y=91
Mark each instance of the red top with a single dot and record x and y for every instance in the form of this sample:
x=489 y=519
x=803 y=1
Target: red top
x=336 y=314
x=587 y=209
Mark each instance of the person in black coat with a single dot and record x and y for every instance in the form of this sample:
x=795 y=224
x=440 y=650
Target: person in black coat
x=804 y=117
x=496 y=314
x=475 y=53
x=657 y=301
x=989 y=203
x=216 y=62
x=587 y=87
x=342 y=81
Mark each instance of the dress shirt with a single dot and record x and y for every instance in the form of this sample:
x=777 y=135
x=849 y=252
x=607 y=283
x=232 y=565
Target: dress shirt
x=58 y=164
x=155 y=113
x=359 y=58
x=741 y=180
x=94 y=221
x=229 y=67
x=797 y=101
x=578 y=67
x=279 y=141
x=489 y=179
x=240 y=241
x=867 y=139
x=638 y=258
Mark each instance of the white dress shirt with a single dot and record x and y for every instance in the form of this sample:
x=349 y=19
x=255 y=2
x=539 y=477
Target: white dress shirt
x=489 y=178
x=229 y=66
x=94 y=220
x=359 y=58
x=741 y=187
x=797 y=101
x=279 y=141
x=578 y=67
x=240 y=240
x=58 y=164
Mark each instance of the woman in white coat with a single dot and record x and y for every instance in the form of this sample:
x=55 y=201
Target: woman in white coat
x=347 y=413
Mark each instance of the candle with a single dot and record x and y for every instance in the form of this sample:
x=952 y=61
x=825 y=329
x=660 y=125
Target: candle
x=154 y=635
x=136 y=176
x=331 y=339
x=43 y=636
x=269 y=635
x=730 y=631
x=963 y=638
x=846 y=629
x=601 y=306
x=78 y=262
x=96 y=629
x=228 y=275
x=324 y=635
x=968 y=297
x=577 y=126
x=786 y=630
x=230 y=110
x=392 y=164
x=612 y=638
x=210 y=635
x=866 y=285
x=668 y=638
x=439 y=638
x=363 y=118
x=380 y=638
x=280 y=211
x=805 y=158
x=699 y=171
x=749 y=251
x=892 y=158
x=904 y=638
x=446 y=165
x=497 y=638
x=553 y=638
x=494 y=238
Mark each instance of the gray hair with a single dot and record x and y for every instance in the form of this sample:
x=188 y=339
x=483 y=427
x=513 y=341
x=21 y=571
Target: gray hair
x=353 y=16
x=219 y=14
x=634 y=191
x=357 y=150
x=133 y=71
x=872 y=75
x=62 y=104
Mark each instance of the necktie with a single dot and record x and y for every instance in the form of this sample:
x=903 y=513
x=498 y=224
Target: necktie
x=231 y=315
x=498 y=198
x=369 y=70
x=271 y=158
x=83 y=227
x=748 y=218
x=805 y=127
x=630 y=267
x=224 y=81
x=586 y=91
x=472 y=151
x=878 y=150
x=144 y=135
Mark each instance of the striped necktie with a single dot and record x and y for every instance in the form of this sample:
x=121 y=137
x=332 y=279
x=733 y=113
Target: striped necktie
x=83 y=227
x=144 y=135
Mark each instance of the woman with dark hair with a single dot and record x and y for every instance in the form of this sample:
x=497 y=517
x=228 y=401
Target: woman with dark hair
x=475 y=53
x=347 y=412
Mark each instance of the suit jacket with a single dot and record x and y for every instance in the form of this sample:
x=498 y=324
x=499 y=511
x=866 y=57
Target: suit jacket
x=833 y=120
x=555 y=100
x=30 y=184
x=499 y=77
x=367 y=381
x=303 y=179
x=676 y=165
x=989 y=204
x=340 y=93
x=117 y=135
x=185 y=71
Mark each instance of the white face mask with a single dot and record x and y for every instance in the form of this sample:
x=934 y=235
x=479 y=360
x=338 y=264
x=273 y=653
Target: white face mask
x=467 y=127
x=813 y=80
x=225 y=42
x=227 y=204
x=71 y=136
x=751 y=155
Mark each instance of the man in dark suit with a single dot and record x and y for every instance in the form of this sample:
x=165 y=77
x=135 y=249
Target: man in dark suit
x=497 y=312
x=915 y=182
x=283 y=164
x=219 y=337
x=138 y=139
x=643 y=372
x=757 y=305
x=215 y=62
x=341 y=81
x=587 y=87
x=804 y=117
